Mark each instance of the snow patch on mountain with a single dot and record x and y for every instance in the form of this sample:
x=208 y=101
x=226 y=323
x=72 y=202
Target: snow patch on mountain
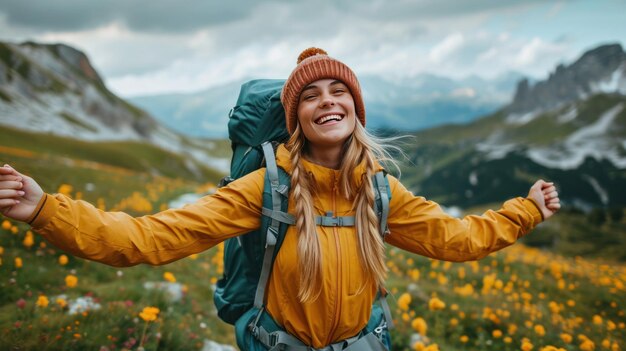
x=523 y=118
x=615 y=83
x=586 y=142
x=494 y=147
x=602 y=193
x=568 y=116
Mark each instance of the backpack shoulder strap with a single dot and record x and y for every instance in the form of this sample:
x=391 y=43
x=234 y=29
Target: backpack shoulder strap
x=381 y=204
x=277 y=192
x=381 y=207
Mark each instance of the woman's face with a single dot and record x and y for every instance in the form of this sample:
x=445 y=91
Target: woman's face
x=326 y=113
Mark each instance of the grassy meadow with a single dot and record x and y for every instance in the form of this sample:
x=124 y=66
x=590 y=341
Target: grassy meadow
x=521 y=298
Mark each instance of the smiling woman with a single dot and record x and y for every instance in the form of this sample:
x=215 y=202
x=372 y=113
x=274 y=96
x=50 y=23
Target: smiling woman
x=331 y=263
x=327 y=118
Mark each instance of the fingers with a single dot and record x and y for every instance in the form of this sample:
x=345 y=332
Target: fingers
x=554 y=206
x=538 y=184
x=10 y=177
x=15 y=183
x=550 y=194
x=7 y=193
x=8 y=203
x=8 y=170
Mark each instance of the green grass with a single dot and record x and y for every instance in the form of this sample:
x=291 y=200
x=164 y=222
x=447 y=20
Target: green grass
x=6 y=97
x=56 y=161
x=75 y=121
x=132 y=156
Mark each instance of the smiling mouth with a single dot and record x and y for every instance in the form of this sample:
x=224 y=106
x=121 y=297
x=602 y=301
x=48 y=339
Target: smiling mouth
x=328 y=118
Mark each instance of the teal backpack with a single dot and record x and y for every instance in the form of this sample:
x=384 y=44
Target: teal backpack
x=256 y=126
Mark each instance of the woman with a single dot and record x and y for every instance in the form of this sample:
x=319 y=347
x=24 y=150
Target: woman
x=325 y=278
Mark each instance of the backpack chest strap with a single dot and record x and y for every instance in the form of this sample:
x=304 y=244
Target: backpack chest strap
x=324 y=221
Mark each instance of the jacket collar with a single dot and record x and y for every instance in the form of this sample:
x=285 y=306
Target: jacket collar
x=323 y=176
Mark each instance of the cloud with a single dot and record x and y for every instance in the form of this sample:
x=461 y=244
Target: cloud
x=191 y=15
x=139 y=15
x=448 y=46
x=143 y=46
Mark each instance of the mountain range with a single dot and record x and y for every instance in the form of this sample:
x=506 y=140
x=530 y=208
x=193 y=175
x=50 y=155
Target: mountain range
x=407 y=104
x=570 y=128
x=53 y=88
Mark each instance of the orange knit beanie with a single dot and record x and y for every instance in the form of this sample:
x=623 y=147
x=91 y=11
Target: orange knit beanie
x=315 y=64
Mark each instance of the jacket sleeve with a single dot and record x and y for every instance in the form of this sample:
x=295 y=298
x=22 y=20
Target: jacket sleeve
x=117 y=239
x=421 y=226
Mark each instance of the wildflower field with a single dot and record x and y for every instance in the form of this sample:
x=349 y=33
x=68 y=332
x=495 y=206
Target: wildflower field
x=521 y=298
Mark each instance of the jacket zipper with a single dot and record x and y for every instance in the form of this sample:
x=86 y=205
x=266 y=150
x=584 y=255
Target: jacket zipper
x=339 y=266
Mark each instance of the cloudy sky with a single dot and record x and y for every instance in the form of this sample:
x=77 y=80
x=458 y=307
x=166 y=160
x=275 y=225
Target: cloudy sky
x=145 y=47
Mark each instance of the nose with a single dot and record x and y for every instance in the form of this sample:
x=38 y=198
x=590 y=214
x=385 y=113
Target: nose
x=327 y=100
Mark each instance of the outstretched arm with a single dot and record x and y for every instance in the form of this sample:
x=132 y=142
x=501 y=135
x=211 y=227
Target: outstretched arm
x=117 y=239
x=422 y=227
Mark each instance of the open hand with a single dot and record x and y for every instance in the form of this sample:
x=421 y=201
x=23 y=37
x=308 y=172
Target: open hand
x=19 y=194
x=545 y=195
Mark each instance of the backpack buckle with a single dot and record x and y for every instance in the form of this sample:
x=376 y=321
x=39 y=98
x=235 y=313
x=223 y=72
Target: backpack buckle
x=225 y=181
x=379 y=330
x=272 y=339
x=272 y=234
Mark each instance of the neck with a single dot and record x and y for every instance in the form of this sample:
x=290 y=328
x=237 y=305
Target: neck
x=329 y=157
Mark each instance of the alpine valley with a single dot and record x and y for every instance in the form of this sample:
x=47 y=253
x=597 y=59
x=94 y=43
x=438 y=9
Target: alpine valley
x=570 y=128
x=52 y=91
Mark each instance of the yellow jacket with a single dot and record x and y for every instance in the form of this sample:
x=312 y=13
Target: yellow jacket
x=416 y=225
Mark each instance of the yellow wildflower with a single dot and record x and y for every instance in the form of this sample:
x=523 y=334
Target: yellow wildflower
x=168 y=276
x=566 y=338
x=587 y=345
x=63 y=260
x=404 y=301
x=18 y=262
x=149 y=313
x=29 y=239
x=71 y=281
x=464 y=339
x=526 y=345
x=61 y=302
x=420 y=326
x=610 y=325
x=540 y=330
x=597 y=320
x=42 y=301
x=497 y=333
x=436 y=304
x=6 y=225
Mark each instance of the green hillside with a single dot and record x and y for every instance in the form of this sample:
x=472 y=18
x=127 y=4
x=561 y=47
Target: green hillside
x=444 y=165
x=110 y=171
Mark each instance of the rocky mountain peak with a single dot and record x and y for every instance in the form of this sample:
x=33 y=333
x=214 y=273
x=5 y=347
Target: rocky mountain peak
x=600 y=70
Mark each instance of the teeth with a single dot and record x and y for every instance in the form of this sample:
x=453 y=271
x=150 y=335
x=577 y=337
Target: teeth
x=328 y=118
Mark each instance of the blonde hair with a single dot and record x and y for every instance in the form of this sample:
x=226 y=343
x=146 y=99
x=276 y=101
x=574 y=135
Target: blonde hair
x=361 y=147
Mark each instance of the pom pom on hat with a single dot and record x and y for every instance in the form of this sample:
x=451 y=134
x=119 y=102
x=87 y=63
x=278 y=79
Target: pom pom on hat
x=315 y=64
x=310 y=52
